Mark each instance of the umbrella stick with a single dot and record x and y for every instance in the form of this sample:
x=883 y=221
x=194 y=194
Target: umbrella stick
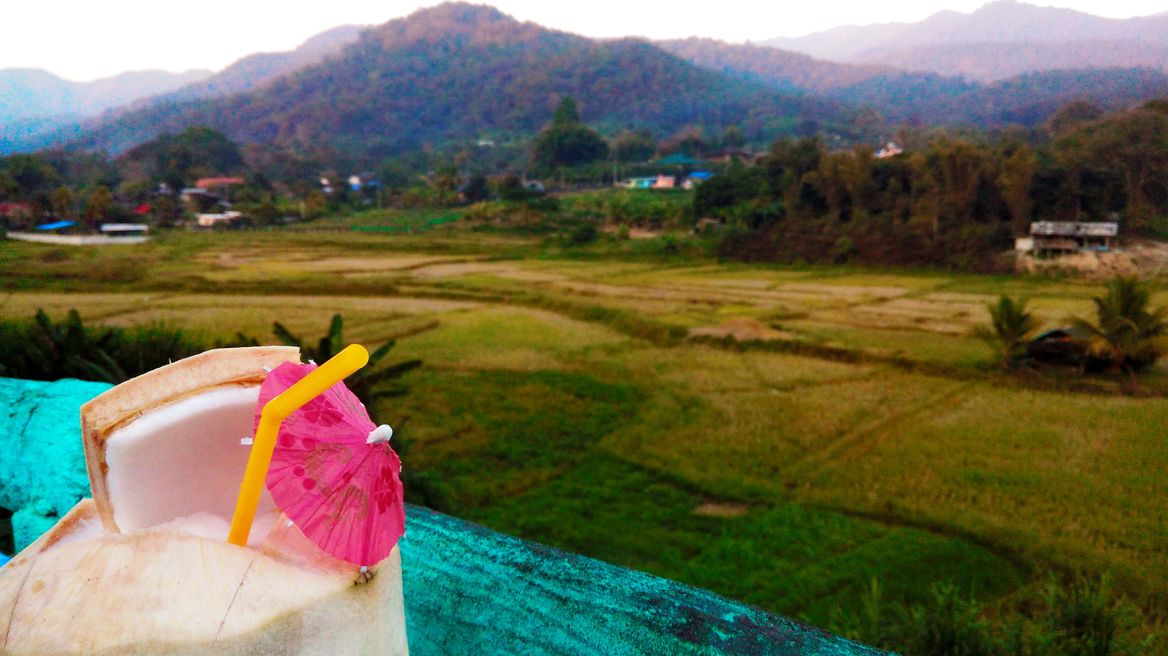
x=352 y=358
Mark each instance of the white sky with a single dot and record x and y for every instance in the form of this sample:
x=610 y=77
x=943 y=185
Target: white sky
x=87 y=39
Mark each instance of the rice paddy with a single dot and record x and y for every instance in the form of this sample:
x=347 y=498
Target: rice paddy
x=854 y=431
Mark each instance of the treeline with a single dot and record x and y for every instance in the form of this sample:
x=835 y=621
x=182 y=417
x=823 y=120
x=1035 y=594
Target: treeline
x=952 y=202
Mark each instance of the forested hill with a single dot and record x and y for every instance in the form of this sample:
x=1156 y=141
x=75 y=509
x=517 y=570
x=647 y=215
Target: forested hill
x=772 y=65
x=256 y=70
x=899 y=96
x=461 y=71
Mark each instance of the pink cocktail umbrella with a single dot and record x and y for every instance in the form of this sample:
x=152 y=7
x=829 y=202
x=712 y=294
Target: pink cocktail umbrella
x=333 y=472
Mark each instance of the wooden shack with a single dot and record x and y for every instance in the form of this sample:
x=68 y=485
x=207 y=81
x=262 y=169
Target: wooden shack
x=1061 y=237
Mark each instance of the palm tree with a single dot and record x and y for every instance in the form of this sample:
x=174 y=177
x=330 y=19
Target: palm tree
x=1127 y=332
x=1010 y=331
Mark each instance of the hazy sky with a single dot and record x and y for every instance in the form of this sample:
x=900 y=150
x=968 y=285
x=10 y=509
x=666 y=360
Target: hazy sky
x=87 y=39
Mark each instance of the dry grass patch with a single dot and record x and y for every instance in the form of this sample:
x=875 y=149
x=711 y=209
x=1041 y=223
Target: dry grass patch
x=457 y=269
x=23 y=305
x=496 y=337
x=723 y=510
x=740 y=329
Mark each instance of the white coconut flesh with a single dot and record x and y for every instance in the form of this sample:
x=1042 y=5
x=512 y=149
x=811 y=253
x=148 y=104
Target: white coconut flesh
x=180 y=465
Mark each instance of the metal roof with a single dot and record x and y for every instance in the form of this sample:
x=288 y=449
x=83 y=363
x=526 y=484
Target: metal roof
x=56 y=225
x=124 y=227
x=1074 y=229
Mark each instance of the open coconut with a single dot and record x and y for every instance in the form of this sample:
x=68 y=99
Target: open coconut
x=144 y=567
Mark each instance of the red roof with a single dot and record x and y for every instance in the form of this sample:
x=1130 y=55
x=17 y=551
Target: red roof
x=9 y=208
x=144 y=208
x=203 y=183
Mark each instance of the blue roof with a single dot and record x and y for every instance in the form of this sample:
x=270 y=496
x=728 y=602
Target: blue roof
x=56 y=226
x=701 y=175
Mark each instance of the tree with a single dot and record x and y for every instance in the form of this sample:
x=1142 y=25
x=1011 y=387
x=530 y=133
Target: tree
x=631 y=146
x=567 y=114
x=476 y=189
x=99 y=205
x=314 y=205
x=733 y=139
x=1015 y=173
x=1127 y=331
x=444 y=182
x=61 y=201
x=690 y=140
x=27 y=176
x=1132 y=145
x=1011 y=329
x=567 y=142
x=196 y=152
x=164 y=210
x=1072 y=115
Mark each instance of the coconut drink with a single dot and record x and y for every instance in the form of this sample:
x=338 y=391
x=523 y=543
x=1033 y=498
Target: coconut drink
x=146 y=565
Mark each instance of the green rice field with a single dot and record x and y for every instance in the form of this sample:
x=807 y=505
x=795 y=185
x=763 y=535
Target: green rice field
x=781 y=435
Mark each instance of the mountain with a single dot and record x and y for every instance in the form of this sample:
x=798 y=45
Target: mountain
x=458 y=71
x=34 y=93
x=987 y=62
x=255 y=70
x=1033 y=98
x=40 y=108
x=947 y=42
x=904 y=96
x=52 y=110
x=781 y=68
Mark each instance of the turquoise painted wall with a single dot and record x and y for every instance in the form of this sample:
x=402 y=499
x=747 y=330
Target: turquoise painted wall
x=468 y=590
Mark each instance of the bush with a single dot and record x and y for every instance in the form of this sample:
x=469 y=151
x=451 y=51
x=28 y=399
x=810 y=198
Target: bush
x=45 y=350
x=582 y=234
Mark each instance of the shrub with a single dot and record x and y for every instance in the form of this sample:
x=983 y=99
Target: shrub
x=47 y=350
x=582 y=234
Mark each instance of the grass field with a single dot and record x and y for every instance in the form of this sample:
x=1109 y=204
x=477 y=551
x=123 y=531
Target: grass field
x=562 y=400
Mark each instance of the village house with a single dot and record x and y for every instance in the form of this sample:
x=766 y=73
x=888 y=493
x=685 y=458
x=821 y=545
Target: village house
x=1060 y=237
x=640 y=183
x=125 y=232
x=18 y=212
x=220 y=219
x=665 y=182
x=696 y=178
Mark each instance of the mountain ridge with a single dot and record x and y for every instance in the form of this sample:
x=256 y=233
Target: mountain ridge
x=456 y=71
x=945 y=33
x=34 y=92
x=1027 y=98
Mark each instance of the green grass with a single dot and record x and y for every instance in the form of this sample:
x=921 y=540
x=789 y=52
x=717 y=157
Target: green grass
x=561 y=401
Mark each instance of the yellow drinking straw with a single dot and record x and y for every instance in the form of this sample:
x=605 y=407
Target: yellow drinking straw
x=352 y=358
